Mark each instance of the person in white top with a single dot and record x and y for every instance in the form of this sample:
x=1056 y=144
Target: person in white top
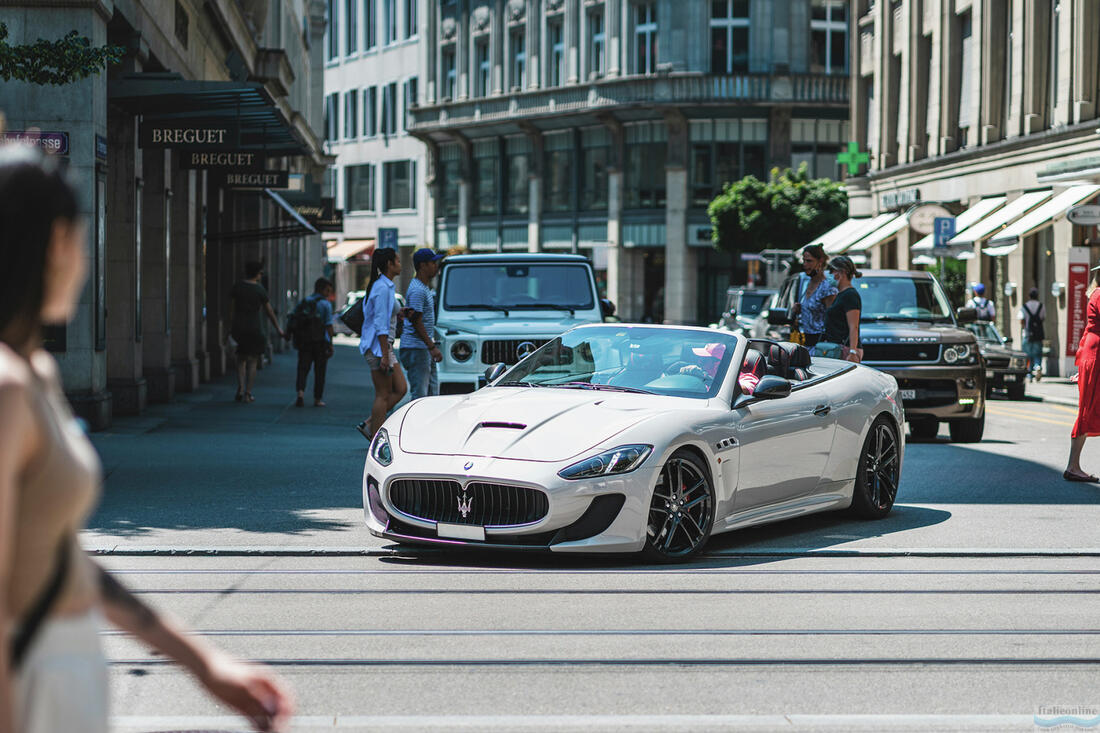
x=1032 y=315
x=980 y=303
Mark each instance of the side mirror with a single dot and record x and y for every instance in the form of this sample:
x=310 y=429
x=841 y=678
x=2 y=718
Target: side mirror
x=607 y=308
x=1008 y=340
x=772 y=387
x=495 y=371
x=778 y=317
x=966 y=315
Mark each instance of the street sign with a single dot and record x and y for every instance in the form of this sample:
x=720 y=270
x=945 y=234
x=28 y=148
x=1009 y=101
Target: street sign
x=943 y=230
x=922 y=217
x=230 y=161
x=1086 y=215
x=54 y=143
x=751 y=257
x=387 y=238
x=189 y=134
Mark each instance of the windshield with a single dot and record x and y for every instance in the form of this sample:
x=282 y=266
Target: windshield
x=902 y=299
x=985 y=331
x=663 y=361
x=518 y=286
x=751 y=303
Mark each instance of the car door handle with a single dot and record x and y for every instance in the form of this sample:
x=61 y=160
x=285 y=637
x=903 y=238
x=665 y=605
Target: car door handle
x=822 y=410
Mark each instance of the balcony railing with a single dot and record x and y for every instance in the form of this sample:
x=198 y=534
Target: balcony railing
x=644 y=91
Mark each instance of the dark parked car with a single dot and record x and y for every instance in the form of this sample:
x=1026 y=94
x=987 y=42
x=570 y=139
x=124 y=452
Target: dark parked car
x=743 y=305
x=1005 y=367
x=908 y=330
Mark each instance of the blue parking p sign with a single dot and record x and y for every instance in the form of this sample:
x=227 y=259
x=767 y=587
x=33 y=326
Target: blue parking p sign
x=943 y=229
x=387 y=238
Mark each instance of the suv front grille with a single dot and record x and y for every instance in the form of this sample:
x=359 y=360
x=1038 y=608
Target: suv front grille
x=504 y=350
x=492 y=505
x=901 y=352
x=997 y=362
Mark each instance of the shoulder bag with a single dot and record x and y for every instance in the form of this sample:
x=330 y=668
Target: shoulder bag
x=353 y=316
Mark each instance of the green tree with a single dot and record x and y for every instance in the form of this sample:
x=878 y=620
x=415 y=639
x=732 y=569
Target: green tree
x=54 y=62
x=784 y=212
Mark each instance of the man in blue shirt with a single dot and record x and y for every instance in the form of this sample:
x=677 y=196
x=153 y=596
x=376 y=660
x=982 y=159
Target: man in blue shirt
x=419 y=352
x=312 y=334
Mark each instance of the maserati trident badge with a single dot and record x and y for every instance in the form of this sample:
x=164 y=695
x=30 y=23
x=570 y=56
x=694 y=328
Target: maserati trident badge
x=465 y=503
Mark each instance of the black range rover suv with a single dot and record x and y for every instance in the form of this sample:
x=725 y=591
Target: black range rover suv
x=908 y=330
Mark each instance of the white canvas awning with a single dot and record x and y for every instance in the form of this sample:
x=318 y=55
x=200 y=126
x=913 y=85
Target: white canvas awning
x=853 y=235
x=999 y=219
x=1043 y=216
x=346 y=249
x=999 y=251
x=968 y=218
x=840 y=231
x=885 y=232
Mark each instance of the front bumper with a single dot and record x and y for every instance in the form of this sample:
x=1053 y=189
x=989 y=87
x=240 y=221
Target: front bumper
x=599 y=515
x=942 y=392
x=1001 y=378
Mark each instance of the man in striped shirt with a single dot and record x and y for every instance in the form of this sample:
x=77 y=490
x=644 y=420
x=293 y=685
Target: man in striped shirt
x=419 y=352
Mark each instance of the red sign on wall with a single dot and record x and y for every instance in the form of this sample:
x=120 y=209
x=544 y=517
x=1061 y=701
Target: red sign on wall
x=1076 y=306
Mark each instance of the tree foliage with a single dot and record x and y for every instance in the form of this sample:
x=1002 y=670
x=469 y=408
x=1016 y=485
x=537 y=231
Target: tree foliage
x=784 y=212
x=54 y=62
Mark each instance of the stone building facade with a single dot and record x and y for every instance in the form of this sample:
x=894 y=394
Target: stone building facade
x=171 y=223
x=605 y=127
x=988 y=107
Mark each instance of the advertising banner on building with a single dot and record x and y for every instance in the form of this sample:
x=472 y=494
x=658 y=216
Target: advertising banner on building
x=1076 y=299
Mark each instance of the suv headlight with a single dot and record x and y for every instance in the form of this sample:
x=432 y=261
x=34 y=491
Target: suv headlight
x=380 y=449
x=462 y=350
x=623 y=459
x=956 y=352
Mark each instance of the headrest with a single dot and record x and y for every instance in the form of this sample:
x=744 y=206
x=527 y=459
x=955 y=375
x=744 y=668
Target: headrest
x=797 y=354
x=754 y=360
x=778 y=358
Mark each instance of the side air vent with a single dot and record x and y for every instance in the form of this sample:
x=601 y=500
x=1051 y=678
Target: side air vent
x=504 y=425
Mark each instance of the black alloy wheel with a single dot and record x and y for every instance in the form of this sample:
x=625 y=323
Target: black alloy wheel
x=879 y=470
x=681 y=514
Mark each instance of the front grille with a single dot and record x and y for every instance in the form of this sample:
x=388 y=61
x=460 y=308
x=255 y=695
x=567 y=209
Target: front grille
x=901 y=352
x=997 y=362
x=488 y=505
x=503 y=351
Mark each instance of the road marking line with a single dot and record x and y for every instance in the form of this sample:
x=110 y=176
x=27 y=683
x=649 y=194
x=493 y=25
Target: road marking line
x=1026 y=416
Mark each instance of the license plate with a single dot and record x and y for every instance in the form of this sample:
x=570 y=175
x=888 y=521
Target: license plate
x=1010 y=377
x=460 y=531
x=908 y=394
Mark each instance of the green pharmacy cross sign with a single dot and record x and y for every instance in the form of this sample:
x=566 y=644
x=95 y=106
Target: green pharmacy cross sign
x=852 y=158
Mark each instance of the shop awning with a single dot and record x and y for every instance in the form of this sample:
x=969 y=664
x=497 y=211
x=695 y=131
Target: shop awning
x=307 y=228
x=843 y=242
x=167 y=96
x=968 y=218
x=999 y=251
x=999 y=219
x=297 y=227
x=840 y=231
x=342 y=251
x=1043 y=216
x=885 y=232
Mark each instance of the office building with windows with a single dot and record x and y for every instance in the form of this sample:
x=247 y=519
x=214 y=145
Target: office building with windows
x=988 y=107
x=373 y=54
x=606 y=127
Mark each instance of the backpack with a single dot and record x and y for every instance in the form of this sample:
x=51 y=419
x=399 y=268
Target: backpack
x=1035 y=331
x=305 y=324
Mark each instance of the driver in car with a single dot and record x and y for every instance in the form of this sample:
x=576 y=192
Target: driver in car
x=709 y=357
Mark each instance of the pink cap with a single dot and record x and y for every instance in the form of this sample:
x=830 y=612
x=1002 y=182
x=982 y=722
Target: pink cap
x=715 y=351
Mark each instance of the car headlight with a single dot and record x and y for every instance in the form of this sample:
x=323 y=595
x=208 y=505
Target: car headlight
x=956 y=352
x=623 y=459
x=1019 y=362
x=380 y=449
x=462 y=350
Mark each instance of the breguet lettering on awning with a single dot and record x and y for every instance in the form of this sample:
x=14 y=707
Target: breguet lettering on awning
x=237 y=161
x=190 y=135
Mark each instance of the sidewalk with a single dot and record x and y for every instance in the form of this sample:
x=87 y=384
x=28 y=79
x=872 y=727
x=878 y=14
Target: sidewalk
x=206 y=470
x=1058 y=390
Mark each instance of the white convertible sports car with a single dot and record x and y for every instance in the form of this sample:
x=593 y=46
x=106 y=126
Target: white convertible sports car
x=624 y=438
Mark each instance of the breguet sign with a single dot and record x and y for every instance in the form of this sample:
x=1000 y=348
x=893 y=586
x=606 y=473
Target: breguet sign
x=260 y=179
x=189 y=135
x=228 y=160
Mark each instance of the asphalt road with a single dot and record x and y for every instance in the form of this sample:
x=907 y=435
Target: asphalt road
x=972 y=607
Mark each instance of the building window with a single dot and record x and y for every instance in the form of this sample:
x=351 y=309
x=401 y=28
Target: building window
x=450 y=73
x=597 y=44
x=556 y=40
x=359 y=187
x=332 y=117
x=182 y=24
x=333 y=30
x=1006 y=103
x=351 y=114
x=1052 y=69
x=400 y=185
x=829 y=37
x=351 y=26
x=558 y=183
x=966 y=86
x=389 y=109
x=481 y=56
x=518 y=41
x=724 y=151
x=370 y=111
x=729 y=36
x=487 y=177
x=410 y=18
x=517 y=192
x=370 y=20
x=410 y=100
x=645 y=38
x=595 y=154
x=389 y=21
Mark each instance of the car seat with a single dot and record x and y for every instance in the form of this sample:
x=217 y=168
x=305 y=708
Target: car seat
x=752 y=369
x=779 y=360
x=798 y=360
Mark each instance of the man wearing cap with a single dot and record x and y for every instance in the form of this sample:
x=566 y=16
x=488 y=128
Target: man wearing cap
x=419 y=352
x=980 y=303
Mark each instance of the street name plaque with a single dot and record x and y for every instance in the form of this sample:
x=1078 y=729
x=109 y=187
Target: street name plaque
x=221 y=161
x=189 y=135
x=54 y=143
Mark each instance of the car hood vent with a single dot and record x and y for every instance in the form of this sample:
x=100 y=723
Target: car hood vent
x=503 y=425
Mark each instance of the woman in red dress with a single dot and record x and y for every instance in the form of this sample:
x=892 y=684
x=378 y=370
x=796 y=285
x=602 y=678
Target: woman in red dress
x=1088 y=384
